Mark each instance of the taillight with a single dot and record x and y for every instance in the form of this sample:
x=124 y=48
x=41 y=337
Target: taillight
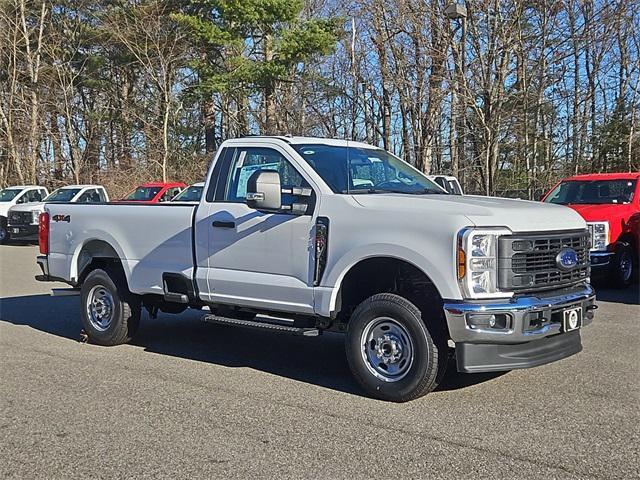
x=43 y=233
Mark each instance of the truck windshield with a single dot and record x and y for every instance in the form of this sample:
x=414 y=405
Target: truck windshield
x=351 y=170
x=191 y=194
x=593 y=192
x=9 y=194
x=144 y=193
x=62 y=195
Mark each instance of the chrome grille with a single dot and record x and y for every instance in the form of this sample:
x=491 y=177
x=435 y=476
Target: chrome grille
x=20 y=218
x=528 y=262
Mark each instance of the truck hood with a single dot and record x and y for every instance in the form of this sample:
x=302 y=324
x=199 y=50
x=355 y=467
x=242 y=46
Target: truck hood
x=4 y=208
x=28 y=207
x=598 y=213
x=517 y=215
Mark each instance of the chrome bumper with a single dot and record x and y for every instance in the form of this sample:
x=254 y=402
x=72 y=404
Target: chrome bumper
x=529 y=318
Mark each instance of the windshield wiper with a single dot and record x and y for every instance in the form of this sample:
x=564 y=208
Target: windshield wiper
x=359 y=191
x=425 y=191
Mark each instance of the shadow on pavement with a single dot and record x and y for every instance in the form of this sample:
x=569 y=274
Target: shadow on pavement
x=316 y=360
x=629 y=295
x=22 y=243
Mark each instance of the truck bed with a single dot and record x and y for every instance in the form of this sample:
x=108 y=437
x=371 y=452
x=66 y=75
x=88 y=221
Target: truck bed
x=149 y=239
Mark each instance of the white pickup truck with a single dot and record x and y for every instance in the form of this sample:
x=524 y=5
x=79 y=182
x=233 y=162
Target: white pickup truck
x=22 y=220
x=304 y=235
x=17 y=195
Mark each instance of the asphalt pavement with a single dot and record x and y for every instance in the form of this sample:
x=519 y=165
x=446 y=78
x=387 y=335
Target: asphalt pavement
x=190 y=399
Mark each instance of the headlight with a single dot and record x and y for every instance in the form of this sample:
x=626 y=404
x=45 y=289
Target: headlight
x=599 y=235
x=477 y=262
x=35 y=216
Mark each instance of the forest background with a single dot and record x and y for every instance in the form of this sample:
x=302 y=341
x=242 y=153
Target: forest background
x=507 y=95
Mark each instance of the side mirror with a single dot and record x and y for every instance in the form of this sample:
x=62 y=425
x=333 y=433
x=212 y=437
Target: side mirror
x=264 y=191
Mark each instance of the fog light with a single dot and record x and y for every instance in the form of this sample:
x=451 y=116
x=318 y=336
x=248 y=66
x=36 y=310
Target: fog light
x=485 y=321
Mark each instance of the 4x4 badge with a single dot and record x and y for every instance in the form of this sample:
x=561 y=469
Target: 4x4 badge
x=61 y=218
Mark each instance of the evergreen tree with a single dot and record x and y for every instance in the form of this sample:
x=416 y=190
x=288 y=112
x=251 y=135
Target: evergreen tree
x=249 y=46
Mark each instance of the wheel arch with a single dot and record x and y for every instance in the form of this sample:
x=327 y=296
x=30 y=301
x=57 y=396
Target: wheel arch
x=96 y=253
x=628 y=238
x=388 y=274
x=333 y=278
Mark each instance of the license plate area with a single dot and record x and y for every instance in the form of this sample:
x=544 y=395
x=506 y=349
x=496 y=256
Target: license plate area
x=571 y=319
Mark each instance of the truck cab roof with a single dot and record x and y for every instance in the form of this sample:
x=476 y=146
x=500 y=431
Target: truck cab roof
x=336 y=142
x=22 y=187
x=163 y=184
x=604 y=176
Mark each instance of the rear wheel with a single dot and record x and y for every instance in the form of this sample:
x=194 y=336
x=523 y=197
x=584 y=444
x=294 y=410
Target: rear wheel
x=390 y=350
x=622 y=270
x=110 y=313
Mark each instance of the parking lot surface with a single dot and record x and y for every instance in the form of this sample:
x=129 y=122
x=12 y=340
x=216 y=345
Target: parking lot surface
x=189 y=399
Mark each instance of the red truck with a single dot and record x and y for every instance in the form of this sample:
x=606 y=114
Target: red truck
x=610 y=204
x=153 y=192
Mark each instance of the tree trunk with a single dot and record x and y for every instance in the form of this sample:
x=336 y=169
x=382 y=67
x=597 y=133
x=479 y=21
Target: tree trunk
x=209 y=120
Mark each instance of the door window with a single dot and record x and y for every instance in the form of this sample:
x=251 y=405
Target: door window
x=102 y=195
x=246 y=161
x=89 y=196
x=169 y=194
x=32 y=196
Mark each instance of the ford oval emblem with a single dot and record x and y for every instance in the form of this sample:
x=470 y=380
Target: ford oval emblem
x=567 y=259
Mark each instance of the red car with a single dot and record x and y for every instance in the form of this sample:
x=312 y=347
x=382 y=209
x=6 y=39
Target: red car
x=153 y=192
x=610 y=203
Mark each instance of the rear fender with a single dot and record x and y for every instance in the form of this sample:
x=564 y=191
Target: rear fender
x=93 y=247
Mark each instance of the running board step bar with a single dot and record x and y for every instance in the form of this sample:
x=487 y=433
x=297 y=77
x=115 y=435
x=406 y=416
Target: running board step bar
x=274 y=327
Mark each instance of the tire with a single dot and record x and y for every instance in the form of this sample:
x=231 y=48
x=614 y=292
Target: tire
x=110 y=313
x=390 y=350
x=623 y=267
x=4 y=231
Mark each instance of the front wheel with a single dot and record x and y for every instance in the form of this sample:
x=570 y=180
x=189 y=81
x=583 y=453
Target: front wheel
x=390 y=350
x=4 y=231
x=622 y=270
x=110 y=314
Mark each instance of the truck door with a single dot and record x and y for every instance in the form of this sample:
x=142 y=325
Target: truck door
x=258 y=259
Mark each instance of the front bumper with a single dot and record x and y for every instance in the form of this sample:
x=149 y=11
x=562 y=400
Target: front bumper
x=23 y=231
x=532 y=333
x=601 y=262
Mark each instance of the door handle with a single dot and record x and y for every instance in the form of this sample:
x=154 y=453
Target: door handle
x=220 y=224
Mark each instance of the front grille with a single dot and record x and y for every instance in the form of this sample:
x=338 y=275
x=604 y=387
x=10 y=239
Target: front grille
x=20 y=218
x=529 y=262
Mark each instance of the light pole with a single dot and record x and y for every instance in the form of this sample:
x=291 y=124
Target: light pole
x=458 y=13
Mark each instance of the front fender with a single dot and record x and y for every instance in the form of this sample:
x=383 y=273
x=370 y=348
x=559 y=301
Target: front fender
x=442 y=274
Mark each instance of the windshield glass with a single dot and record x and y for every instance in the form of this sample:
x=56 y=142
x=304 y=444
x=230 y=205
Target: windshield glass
x=364 y=170
x=593 y=192
x=144 y=193
x=9 y=194
x=62 y=195
x=191 y=194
